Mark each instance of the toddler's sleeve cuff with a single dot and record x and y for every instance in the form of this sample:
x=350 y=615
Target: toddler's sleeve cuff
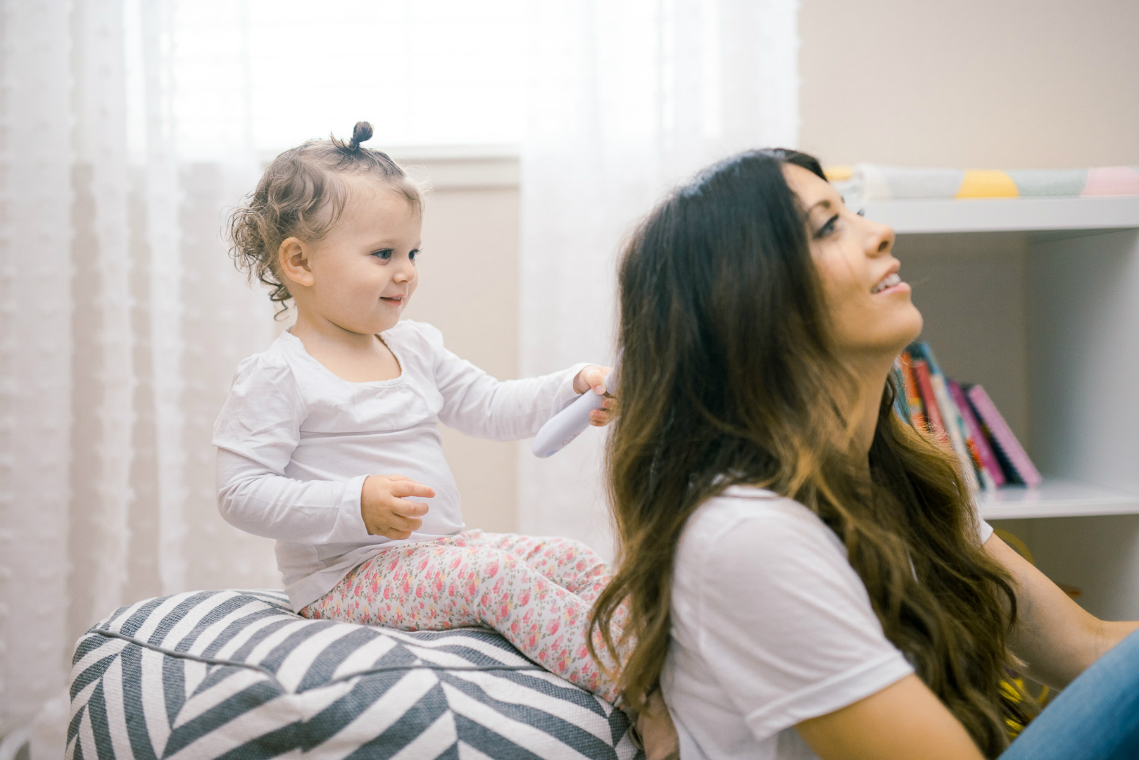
x=349 y=525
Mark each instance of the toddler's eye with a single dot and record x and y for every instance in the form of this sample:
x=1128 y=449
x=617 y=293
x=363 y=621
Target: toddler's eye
x=861 y=212
x=385 y=254
x=412 y=255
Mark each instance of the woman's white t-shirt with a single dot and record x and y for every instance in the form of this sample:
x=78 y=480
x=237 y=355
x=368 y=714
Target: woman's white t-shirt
x=771 y=626
x=295 y=444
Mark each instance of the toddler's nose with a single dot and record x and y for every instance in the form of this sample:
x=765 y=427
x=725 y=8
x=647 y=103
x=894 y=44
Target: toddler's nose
x=404 y=273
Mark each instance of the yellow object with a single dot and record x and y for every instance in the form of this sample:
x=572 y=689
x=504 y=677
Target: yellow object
x=838 y=173
x=1014 y=687
x=987 y=184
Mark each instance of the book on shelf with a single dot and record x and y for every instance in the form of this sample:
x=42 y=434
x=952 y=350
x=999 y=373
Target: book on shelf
x=988 y=460
x=1013 y=458
x=909 y=388
x=963 y=419
x=934 y=422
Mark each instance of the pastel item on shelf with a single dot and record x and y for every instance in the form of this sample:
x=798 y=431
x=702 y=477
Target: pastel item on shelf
x=1112 y=180
x=1050 y=184
x=861 y=183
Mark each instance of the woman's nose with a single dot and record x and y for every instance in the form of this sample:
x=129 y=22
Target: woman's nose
x=880 y=239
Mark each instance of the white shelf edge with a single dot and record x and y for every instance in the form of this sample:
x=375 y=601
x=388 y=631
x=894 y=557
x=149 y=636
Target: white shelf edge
x=1006 y=214
x=1056 y=497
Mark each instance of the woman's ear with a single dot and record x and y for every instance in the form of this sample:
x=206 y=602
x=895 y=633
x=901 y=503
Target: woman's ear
x=292 y=258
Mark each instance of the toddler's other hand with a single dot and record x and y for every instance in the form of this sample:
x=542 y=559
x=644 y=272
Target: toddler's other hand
x=385 y=510
x=593 y=377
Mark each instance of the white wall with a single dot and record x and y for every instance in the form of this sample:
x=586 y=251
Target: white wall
x=1012 y=84
x=469 y=289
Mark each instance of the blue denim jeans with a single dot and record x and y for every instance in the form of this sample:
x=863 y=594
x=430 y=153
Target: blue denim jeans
x=1095 y=718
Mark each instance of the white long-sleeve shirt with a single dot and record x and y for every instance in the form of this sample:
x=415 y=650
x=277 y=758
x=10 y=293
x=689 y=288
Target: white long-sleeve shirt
x=295 y=444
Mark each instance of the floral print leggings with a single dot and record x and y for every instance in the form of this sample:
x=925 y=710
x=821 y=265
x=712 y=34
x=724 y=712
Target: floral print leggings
x=537 y=592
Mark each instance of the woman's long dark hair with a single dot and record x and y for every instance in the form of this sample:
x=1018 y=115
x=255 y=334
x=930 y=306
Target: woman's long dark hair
x=728 y=376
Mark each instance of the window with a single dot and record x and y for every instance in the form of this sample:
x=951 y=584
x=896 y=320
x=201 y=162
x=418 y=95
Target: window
x=277 y=72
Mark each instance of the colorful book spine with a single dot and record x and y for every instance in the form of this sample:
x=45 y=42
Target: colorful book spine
x=953 y=426
x=1005 y=444
x=929 y=401
x=976 y=435
x=986 y=478
x=913 y=398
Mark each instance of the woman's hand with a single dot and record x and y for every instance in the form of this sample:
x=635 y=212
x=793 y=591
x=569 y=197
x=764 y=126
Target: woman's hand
x=593 y=378
x=385 y=509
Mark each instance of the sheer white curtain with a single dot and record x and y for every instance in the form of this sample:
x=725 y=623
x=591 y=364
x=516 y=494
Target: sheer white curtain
x=123 y=320
x=625 y=99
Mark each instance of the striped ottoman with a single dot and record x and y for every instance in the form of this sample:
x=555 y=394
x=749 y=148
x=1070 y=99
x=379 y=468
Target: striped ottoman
x=238 y=674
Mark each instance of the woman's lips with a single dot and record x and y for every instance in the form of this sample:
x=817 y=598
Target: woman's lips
x=901 y=287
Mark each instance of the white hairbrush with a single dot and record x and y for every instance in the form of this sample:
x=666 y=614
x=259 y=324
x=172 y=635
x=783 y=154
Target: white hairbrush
x=569 y=423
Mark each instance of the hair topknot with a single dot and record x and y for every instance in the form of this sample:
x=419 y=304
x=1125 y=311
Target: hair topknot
x=362 y=132
x=302 y=194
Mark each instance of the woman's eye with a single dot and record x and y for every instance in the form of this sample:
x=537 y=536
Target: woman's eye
x=861 y=212
x=827 y=228
x=384 y=254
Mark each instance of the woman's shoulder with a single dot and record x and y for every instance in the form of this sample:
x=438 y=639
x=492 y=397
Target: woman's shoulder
x=748 y=539
x=751 y=560
x=750 y=520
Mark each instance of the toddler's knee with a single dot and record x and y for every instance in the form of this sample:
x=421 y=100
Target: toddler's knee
x=580 y=552
x=492 y=566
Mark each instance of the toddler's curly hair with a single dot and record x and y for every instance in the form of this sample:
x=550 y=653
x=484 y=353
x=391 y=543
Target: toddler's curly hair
x=302 y=194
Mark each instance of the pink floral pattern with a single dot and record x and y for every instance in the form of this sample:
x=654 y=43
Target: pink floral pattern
x=537 y=592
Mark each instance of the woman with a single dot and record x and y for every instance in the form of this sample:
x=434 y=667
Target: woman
x=807 y=576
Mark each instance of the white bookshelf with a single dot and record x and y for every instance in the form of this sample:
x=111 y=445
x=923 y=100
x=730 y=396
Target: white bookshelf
x=1038 y=300
x=1007 y=214
x=1057 y=497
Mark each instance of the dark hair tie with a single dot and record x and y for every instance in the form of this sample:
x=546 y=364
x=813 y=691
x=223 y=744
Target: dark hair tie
x=362 y=132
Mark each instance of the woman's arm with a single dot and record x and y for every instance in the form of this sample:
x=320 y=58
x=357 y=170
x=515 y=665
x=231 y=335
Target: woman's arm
x=901 y=722
x=1055 y=637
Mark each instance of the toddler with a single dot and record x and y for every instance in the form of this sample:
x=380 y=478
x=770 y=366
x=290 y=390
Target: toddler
x=329 y=442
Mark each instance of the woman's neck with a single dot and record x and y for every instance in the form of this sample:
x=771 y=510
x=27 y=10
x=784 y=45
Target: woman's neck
x=870 y=377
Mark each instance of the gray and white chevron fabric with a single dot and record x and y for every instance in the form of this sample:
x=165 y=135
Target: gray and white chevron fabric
x=237 y=674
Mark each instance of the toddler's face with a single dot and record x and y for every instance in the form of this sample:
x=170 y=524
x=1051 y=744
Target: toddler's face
x=364 y=267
